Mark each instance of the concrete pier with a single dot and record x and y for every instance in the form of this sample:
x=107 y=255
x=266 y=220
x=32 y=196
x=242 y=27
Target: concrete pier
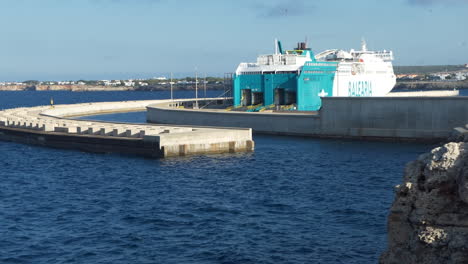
x=47 y=126
x=393 y=118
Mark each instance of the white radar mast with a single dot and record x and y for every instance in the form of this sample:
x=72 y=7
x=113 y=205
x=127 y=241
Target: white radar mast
x=363 y=45
x=276 y=47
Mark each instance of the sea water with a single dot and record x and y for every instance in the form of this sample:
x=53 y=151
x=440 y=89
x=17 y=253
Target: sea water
x=293 y=200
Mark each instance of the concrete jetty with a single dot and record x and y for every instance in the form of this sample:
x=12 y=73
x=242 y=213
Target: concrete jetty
x=52 y=127
x=393 y=118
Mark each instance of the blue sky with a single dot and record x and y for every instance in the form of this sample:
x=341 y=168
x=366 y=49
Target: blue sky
x=106 y=39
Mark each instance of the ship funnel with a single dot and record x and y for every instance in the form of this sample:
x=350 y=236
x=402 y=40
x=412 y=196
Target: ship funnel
x=301 y=46
x=279 y=46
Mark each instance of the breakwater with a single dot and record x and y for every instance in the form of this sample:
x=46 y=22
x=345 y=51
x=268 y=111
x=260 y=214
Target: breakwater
x=395 y=118
x=48 y=126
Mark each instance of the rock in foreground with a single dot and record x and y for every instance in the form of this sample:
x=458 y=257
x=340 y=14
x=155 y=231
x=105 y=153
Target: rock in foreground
x=428 y=221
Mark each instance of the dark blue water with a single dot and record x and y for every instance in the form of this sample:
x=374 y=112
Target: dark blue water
x=464 y=92
x=294 y=200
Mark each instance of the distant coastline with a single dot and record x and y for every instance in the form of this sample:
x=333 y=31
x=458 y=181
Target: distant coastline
x=99 y=88
x=400 y=86
x=430 y=85
x=409 y=78
x=153 y=84
x=438 y=77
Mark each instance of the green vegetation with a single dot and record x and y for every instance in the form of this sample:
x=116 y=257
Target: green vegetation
x=31 y=82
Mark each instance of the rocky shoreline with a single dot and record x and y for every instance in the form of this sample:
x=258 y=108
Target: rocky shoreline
x=428 y=221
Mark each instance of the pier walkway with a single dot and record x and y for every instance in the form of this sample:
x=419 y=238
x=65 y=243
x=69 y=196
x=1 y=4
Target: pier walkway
x=52 y=126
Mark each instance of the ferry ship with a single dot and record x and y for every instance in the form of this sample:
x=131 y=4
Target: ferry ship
x=300 y=78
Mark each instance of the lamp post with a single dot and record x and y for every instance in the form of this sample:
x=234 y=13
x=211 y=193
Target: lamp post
x=204 y=85
x=172 y=97
x=196 y=89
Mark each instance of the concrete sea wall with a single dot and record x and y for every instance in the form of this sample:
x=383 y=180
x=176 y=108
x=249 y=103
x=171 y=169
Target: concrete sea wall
x=394 y=117
x=270 y=123
x=409 y=118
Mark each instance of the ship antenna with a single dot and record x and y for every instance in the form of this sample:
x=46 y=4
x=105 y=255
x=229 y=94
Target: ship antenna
x=363 y=45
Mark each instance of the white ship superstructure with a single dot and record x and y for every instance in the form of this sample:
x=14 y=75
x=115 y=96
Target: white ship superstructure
x=361 y=73
x=298 y=77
